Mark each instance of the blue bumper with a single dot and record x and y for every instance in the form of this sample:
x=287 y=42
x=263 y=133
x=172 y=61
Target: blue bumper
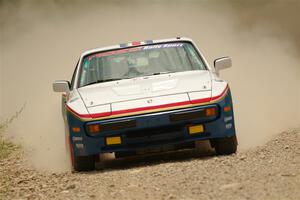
x=153 y=130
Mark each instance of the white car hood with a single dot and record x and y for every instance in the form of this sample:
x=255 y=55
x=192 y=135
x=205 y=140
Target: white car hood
x=131 y=93
x=145 y=87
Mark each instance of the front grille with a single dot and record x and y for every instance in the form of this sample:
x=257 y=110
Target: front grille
x=112 y=126
x=154 y=131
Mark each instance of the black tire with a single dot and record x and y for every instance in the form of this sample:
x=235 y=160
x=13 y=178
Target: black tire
x=84 y=163
x=225 y=146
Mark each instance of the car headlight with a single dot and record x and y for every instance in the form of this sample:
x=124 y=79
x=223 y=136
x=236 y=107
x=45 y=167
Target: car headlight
x=93 y=128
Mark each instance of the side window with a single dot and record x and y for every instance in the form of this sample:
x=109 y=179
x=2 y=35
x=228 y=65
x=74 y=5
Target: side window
x=84 y=77
x=194 y=58
x=73 y=76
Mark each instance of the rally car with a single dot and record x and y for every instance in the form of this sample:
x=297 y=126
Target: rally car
x=145 y=96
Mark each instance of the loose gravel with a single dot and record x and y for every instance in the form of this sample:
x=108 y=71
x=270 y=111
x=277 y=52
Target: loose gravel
x=267 y=172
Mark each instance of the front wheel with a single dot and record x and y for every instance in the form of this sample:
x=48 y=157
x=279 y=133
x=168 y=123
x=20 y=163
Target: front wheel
x=84 y=163
x=80 y=163
x=225 y=146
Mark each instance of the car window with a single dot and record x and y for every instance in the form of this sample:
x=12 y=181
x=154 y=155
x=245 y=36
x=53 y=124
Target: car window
x=139 y=61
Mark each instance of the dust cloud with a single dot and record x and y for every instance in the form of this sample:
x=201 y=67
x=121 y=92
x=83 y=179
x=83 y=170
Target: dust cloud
x=42 y=40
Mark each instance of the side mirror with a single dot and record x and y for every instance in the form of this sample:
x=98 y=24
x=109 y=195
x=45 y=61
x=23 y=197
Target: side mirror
x=222 y=63
x=61 y=86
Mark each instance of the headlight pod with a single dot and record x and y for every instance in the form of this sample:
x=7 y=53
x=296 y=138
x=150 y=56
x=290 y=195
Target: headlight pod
x=93 y=129
x=210 y=112
x=205 y=113
x=107 y=126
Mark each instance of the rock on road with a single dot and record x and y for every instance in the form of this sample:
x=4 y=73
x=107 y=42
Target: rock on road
x=267 y=172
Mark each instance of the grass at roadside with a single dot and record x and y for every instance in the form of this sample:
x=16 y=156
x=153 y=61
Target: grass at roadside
x=6 y=148
x=5 y=183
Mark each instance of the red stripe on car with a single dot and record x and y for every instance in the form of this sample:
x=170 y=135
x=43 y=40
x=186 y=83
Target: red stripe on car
x=105 y=114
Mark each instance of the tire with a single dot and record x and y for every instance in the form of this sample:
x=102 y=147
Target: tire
x=225 y=146
x=79 y=163
x=203 y=147
x=84 y=163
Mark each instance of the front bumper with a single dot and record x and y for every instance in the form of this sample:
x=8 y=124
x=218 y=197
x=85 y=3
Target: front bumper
x=153 y=130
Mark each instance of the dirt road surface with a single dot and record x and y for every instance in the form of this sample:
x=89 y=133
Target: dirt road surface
x=271 y=171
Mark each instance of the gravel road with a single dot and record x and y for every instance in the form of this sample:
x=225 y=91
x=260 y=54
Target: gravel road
x=271 y=171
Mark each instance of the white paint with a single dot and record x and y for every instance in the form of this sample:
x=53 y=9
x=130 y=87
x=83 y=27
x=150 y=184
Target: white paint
x=148 y=102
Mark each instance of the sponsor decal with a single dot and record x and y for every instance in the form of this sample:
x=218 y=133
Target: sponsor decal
x=121 y=51
x=79 y=146
x=77 y=139
x=228 y=126
x=226 y=119
x=158 y=46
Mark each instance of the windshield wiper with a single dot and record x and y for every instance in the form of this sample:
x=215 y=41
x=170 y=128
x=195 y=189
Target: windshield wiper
x=101 y=81
x=167 y=72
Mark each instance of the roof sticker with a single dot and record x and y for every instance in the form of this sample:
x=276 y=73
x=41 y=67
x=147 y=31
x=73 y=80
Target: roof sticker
x=149 y=41
x=123 y=45
x=139 y=48
x=136 y=43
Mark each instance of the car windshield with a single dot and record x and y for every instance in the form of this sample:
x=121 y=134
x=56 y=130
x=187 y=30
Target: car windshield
x=139 y=61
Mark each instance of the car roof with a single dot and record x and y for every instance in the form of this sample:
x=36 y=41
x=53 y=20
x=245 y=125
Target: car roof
x=125 y=45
